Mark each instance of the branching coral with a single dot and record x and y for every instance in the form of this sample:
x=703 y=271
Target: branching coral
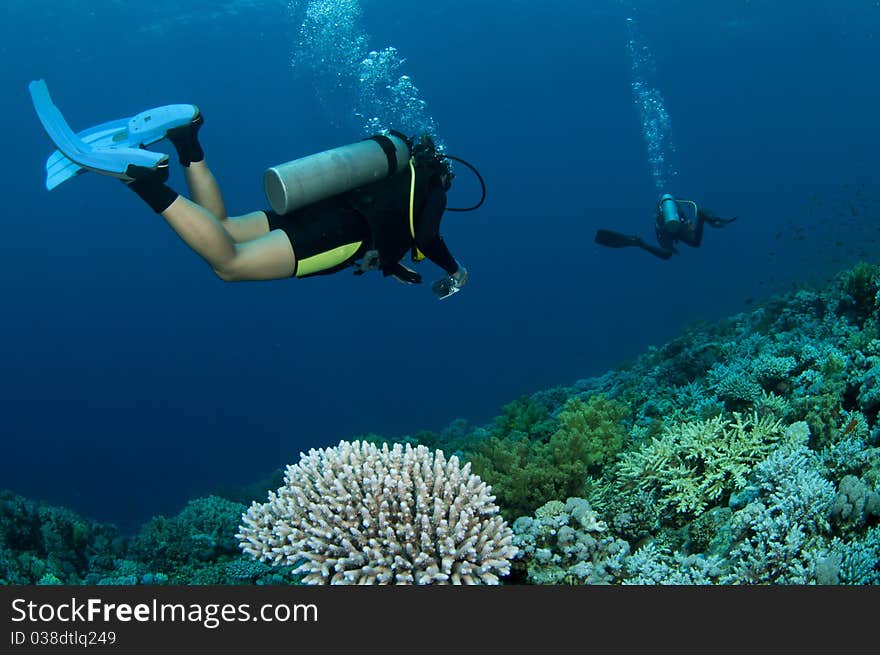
x=358 y=514
x=776 y=536
x=695 y=463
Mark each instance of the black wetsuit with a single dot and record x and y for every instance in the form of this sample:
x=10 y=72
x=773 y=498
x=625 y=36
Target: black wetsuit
x=371 y=217
x=689 y=233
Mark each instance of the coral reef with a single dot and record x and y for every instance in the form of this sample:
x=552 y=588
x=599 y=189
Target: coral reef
x=742 y=452
x=41 y=544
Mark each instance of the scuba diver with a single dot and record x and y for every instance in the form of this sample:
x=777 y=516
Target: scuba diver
x=360 y=206
x=671 y=225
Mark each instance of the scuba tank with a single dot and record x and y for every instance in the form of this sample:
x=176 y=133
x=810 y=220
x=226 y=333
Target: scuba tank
x=669 y=216
x=302 y=181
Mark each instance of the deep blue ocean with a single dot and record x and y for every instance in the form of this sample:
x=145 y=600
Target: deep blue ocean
x=132 y=378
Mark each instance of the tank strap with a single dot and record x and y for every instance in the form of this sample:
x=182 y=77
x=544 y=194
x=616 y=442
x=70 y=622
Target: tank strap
x=690 y=202
x=388 y=148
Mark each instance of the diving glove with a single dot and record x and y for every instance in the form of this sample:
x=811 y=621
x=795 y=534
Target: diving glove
x=406 y=275
x=450 y=284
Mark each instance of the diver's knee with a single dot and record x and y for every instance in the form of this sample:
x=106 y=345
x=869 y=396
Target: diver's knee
x=227 y=274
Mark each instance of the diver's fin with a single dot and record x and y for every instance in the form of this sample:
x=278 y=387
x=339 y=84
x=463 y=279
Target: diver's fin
x=59 y=168
x=107 y=161
x=616 y=239
x=113 y=148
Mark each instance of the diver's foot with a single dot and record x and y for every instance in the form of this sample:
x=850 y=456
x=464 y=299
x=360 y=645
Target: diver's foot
x=185 y=140
x=143 y=176
x=150 y=185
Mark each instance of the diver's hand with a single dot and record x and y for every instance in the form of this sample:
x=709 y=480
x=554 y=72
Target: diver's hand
x=717 y=221
x=445 y=287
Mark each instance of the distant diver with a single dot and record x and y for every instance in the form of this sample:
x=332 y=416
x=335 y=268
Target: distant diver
x=671 y=225
x=360 y=206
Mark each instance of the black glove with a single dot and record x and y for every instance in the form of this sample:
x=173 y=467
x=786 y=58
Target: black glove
x=406 y=275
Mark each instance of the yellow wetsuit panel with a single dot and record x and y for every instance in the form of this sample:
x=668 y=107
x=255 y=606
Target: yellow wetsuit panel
x=326 y=259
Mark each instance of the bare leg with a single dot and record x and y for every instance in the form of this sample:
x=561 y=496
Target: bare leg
x=267 y=257
x=236 y=249
x=204 y=188
x=205 y=191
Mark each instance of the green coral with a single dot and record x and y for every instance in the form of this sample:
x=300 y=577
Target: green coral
x=528 y=469
x=695 y=464
x=822 y=412
x=202 y=532
x=525 y=416
x=590 y=432
x=520 y=472
x=861 y=289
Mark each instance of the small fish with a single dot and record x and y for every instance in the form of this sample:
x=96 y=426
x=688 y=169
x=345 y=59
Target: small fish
x=849 y=427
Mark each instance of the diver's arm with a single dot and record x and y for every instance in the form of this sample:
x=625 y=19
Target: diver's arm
x=706 y=216
x=428 y=238
x=437 y=251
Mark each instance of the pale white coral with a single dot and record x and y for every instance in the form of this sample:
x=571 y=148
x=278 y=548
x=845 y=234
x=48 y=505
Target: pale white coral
x=359 y=514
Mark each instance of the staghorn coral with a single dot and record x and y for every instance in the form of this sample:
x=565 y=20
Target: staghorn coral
x=695 y=463
x=358 y=514
x=656 y=565
x=777 y=538
x=859 y=558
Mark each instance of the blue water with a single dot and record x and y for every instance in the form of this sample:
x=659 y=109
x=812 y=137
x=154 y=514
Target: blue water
x=131 y=378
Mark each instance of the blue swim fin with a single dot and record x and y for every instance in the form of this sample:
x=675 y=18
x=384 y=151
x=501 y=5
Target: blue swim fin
x=114 y=148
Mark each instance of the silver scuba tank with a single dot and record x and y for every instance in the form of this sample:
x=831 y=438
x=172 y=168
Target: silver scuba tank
x=302 y=181
x=669 y=212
